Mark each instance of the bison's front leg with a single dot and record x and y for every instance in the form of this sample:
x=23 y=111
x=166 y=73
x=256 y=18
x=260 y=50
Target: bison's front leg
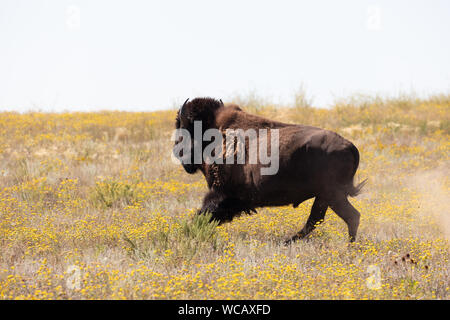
x=221 y=207
x=317 y=215
x=211 y=202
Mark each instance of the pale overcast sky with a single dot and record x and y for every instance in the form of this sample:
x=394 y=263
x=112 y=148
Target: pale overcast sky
x=146 y=55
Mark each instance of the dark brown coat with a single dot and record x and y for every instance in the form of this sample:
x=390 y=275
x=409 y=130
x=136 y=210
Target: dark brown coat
x=313 y=162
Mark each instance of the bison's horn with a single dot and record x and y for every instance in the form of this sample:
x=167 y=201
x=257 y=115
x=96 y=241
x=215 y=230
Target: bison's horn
x=181 y=109
x=221 y=102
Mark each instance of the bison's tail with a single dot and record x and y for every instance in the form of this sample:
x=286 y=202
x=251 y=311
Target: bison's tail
x=353 y=190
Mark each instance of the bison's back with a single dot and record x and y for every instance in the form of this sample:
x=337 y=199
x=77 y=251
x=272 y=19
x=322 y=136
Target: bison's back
x=312 y=161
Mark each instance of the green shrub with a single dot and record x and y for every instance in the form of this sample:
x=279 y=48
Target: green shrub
x=194 y=236
x=111 y=193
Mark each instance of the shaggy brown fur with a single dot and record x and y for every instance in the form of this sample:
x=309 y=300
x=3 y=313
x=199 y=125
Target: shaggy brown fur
x=313 y=163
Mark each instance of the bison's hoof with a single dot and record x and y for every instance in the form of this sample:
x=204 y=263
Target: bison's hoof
x=291 y=240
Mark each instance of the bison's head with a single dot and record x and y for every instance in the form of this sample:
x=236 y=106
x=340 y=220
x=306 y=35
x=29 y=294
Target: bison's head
x=201 y=110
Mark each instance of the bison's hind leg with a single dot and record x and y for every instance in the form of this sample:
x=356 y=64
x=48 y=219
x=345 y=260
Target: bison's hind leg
x=318 y=210
x=348 y=213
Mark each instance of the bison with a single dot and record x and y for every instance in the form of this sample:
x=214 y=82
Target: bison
x=313 y=163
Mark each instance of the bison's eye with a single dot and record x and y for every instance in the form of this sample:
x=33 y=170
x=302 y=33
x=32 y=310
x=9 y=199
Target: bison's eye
x=177 y=122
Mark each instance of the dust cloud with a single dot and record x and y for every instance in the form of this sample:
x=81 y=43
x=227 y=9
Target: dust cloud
x=434 y=191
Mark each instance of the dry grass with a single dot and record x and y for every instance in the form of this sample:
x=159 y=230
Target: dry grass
x=91 y=207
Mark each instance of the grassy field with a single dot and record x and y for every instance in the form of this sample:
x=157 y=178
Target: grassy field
x=92 y=207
